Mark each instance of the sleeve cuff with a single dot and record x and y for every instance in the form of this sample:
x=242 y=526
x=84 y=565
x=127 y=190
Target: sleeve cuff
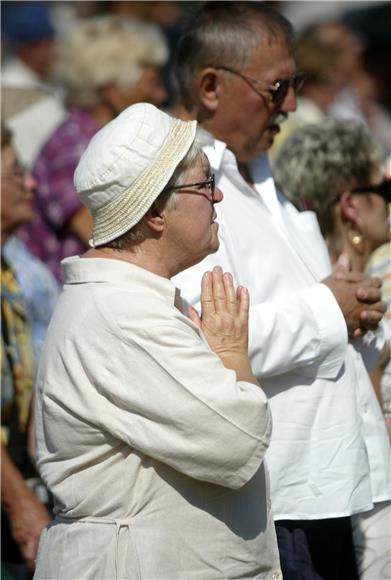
x=332 y=329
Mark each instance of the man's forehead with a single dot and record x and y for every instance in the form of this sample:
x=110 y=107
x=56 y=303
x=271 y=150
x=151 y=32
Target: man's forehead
x=274 y=56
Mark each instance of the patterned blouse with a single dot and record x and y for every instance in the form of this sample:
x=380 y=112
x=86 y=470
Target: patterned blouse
x=17 y=367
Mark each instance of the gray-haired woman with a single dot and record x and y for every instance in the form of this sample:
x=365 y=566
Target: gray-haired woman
x=151 y=427
x=335 y=168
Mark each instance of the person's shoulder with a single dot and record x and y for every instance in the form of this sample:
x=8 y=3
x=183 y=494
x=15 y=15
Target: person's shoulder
x=67 y=140
x=26 y=265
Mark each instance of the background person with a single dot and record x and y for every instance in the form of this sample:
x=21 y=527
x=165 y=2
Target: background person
x=38 y=285
x=30 y=39
x=104 y=64
x=160 y=473
x=237 y=76
x=29 y=42
x=335 y=168
x=23 y=515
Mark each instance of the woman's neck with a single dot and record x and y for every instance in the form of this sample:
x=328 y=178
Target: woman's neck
x=358 y=258
x=142 y=258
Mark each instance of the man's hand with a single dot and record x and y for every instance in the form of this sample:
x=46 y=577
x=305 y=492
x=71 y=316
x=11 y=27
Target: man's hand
x=358 y=296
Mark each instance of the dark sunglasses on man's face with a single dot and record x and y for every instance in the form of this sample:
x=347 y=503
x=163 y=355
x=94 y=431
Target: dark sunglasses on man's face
x=280 y=88
x=278 y=91
x=383 y=189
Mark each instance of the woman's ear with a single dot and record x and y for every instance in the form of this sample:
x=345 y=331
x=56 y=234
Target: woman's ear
x=351 y=216
x=349 y=208
x=154 y=218
x=208 y=85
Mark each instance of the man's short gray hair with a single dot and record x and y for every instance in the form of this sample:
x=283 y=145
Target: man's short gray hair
x=225 y=34
x=320 y=161
x=105 y=49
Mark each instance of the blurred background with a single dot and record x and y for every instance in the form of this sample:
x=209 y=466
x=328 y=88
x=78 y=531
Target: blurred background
x=68 y=68
x=365 y=29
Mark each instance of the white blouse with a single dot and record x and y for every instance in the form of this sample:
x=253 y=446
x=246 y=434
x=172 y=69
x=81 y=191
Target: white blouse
x=152 y=448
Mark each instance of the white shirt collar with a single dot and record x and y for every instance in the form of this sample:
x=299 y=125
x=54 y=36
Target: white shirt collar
x=215 y=153
x=219 y=155
x=79 y=270
x=220 y=158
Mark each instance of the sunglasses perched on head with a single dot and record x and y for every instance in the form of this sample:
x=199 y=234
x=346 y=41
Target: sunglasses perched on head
x=277 y=91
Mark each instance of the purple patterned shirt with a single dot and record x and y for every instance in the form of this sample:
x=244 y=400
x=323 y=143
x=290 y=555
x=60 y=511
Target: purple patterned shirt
x=48 y=236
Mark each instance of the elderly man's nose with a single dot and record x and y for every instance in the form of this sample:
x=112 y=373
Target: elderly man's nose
x=289 y=103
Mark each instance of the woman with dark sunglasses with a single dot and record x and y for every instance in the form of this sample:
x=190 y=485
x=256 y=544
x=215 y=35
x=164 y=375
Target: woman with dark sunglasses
x=335 y=168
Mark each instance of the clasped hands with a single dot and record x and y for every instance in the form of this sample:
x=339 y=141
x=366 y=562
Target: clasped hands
x=224 y=321
x=358 y=296
x=224 y=311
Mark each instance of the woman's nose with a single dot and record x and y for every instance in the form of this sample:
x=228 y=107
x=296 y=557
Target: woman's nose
x=218 y=195
x=29 y=182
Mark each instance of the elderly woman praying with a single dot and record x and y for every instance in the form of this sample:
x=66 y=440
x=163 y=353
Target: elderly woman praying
x=151 y=427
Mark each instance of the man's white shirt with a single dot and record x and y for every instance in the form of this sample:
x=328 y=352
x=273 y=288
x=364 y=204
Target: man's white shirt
x=329 y=455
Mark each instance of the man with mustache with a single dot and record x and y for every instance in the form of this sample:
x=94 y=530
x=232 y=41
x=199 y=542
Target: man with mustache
x=329 y=454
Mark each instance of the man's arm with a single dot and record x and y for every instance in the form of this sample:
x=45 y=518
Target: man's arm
x=306 y=333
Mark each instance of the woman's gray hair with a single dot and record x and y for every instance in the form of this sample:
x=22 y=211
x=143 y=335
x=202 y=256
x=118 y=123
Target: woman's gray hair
x=106 y=49
x=202 y=139
x=225 y=34
x=168 y=196
x=320 y=161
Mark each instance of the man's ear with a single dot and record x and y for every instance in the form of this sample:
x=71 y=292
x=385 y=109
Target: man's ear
x=349 y=209
x=154 y=218
x=209 y=88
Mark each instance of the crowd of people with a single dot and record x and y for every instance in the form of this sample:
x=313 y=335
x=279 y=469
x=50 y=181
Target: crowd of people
x=195 y=295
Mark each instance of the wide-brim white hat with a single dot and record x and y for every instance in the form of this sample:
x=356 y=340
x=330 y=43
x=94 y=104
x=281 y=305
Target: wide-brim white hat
x=127 y=164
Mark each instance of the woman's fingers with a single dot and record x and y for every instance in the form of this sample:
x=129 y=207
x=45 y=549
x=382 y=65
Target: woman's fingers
x=194 y=316
x=224 y=313
x=207 y=300
x=244 y=302
x=219 y=296
x=230 y=293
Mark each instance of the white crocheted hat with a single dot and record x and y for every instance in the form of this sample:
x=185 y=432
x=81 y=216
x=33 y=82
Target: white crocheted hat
x=127 y=164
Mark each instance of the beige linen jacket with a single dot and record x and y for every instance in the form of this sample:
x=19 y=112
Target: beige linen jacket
x=153 y=450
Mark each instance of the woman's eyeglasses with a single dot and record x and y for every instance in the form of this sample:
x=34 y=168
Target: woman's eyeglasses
x=18 y=174
x=208 y=184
